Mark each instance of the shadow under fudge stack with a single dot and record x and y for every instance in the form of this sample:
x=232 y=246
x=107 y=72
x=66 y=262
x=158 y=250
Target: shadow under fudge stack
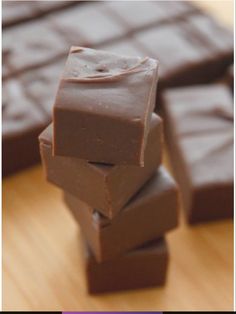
x=104 y=149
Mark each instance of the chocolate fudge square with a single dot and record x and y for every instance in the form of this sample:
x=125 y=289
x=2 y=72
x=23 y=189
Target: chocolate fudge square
x=143 y=267
x=152 y=212
x=199 y=130
x=103 y=107
x=105 y=187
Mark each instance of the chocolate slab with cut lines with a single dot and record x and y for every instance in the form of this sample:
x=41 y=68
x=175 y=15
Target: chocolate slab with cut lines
x=22 y=122
x=88 y=25
x=24 y=50
x=197 y=50
x=199 y=133
x=103 y=107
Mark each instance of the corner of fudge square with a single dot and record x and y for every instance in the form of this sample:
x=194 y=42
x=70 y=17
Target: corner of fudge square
x=103 y=107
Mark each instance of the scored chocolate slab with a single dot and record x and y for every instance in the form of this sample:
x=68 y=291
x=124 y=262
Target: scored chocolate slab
x=21 y=124
x=103 y=107
x=199 y=133
x=104 y=187
x=198 y=50
x=89 y=24
x=148 y=13
x=15 y=12
x=140 y=268
x=152 y=212
x=23 y=49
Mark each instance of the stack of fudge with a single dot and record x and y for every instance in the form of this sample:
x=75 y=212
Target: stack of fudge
x=104 y=150
x=38 y=34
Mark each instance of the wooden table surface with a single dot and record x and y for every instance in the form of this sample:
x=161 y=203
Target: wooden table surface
x=42 y=267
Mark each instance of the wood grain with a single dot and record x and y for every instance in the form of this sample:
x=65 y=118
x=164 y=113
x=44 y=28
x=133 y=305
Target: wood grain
x=42 y=268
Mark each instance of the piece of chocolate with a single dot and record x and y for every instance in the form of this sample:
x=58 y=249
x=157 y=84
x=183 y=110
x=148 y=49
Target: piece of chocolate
x=31 y=45
x=192 y=54
x=104 y=187
x=199 y=131
x=88 y=25
x=103 y=107
x=143 y=267
x=148 y=215
x=22 y=123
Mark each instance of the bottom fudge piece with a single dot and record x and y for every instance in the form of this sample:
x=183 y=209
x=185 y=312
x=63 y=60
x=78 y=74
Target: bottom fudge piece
x=150 y=213
x=199 y=130
x=140 y=268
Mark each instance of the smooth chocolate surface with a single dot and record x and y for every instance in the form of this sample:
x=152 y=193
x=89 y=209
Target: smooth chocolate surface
x=103 y=107
x=199 y=130
x=104 y=187
x=152 y=212
x=141 y=268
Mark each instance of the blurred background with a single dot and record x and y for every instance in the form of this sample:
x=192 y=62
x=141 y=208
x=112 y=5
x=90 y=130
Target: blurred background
x=41 y=262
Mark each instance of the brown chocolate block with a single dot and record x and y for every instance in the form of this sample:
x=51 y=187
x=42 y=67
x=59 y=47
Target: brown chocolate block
x=143 y=267
x=199 y=131
x=103 y=107
x=21 y=125
x=104 y=187
x=88 y=25
x=148 y=215
x=31 y=45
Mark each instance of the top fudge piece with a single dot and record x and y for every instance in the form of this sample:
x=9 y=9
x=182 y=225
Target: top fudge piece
x=103 y=107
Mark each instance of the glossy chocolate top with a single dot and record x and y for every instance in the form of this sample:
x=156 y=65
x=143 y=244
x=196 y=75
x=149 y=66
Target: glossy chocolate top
x=104 y=83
